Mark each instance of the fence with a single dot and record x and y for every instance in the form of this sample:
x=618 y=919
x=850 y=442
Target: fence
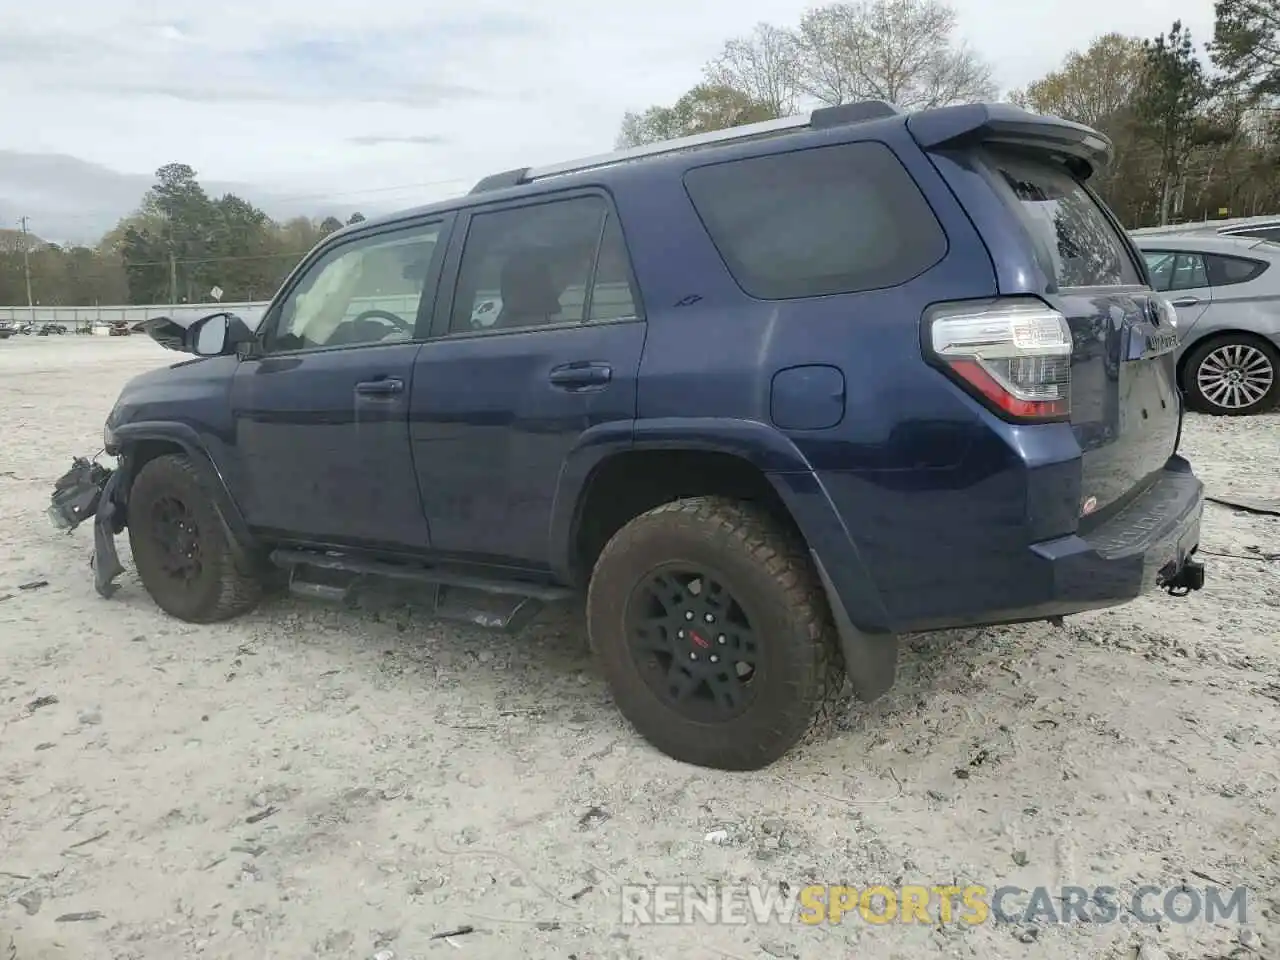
x=106 y=315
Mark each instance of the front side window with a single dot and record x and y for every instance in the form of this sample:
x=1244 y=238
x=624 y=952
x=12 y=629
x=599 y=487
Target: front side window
x=362 y=292
x=558 y=262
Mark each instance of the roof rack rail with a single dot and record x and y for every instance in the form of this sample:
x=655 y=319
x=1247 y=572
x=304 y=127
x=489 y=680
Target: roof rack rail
x=820 y=119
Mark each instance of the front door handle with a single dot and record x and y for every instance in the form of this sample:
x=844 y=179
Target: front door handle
x=386 y=387
x=1186 y=301
x=576 y=376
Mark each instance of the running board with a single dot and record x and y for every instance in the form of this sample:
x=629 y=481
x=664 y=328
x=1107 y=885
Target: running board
x=496 y=604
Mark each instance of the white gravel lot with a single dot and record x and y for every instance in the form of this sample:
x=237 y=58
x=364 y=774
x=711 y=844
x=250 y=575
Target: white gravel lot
x=408 y=777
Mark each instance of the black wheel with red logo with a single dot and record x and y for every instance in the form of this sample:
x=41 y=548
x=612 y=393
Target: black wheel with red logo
x=714 y=634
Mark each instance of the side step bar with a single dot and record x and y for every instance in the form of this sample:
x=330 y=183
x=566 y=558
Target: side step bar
x=499 y=604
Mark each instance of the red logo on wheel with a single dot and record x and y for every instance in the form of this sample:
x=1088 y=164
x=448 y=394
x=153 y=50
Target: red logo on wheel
x=698 y=640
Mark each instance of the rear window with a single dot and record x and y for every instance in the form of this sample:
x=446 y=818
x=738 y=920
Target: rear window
x=816 y=222
x=1257 y=233
x=1075 y=240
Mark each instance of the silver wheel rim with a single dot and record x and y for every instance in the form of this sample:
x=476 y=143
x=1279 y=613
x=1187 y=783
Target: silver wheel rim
x=1235 y=375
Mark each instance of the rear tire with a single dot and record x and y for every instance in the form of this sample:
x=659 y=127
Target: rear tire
x=180 y=549
x=686 y=596
x=1232 y=376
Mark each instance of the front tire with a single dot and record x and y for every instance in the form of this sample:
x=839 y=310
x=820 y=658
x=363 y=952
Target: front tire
x=1233 y=376
x=714 y=634
x=180 y=549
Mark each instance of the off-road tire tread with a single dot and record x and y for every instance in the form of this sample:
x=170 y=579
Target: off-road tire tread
x=1200 y=404
x=236 y=593
x=742 y=527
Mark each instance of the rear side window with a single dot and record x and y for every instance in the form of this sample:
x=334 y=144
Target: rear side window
x=816 y=222
x=1075 y=240
x=1224 y=271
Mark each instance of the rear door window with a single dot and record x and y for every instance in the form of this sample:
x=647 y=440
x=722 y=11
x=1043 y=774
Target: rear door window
x=816 y=222
x=532 y=266
x=1074 y=238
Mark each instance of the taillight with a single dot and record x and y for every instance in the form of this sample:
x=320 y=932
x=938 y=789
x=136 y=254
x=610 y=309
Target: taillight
x=1013 y=354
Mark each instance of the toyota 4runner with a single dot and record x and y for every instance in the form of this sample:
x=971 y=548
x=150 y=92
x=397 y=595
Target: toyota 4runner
x=770 y=397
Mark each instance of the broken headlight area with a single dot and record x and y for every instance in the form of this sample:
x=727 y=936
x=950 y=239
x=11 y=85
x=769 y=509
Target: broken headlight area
x=87 y=490
x=77 y=493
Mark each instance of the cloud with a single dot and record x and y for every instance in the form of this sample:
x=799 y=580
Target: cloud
x=70 y=200
x=288 y=102
x=374 y=140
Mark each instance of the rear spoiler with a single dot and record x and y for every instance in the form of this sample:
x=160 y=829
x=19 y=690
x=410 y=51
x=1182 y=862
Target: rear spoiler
x=1085 y=150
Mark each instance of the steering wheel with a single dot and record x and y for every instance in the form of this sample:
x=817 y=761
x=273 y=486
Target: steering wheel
x=399 y=323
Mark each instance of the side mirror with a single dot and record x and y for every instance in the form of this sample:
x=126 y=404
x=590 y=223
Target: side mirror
x=208 y=337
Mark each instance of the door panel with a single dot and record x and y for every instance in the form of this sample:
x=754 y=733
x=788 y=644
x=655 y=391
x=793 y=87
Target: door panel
x=492 y=419
x=322 y=413
x=540 y=336
x=324 y=446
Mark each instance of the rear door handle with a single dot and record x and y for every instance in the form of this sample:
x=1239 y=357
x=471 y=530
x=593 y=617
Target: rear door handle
x=1186 y=301
x=576 y=376
x=386 y=387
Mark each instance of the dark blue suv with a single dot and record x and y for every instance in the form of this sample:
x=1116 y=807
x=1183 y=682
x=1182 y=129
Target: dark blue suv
x=770 y=397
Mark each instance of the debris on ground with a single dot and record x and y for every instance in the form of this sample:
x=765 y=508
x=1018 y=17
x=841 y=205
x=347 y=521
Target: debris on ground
x=1099 y=771
x=459 y=932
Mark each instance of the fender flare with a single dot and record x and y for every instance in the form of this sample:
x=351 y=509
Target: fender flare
x=755 y=442
x=244 y=545
x=866 y=637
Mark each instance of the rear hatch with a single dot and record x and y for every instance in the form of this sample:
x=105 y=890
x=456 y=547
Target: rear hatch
x=1125 y=408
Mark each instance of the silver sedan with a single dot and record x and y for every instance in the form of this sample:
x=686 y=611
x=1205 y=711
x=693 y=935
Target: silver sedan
x=1227 y=294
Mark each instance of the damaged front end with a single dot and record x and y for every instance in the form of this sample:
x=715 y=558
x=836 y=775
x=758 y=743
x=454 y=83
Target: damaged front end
x=90 y=489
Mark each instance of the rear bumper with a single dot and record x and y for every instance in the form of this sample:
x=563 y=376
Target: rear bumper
x=1147 y=545
x=1142 y=547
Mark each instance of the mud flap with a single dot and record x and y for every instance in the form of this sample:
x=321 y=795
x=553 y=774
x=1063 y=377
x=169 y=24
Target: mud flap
x=106 y=562
x=870 y=659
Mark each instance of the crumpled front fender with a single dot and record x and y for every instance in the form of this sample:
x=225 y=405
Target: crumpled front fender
x=107 y=522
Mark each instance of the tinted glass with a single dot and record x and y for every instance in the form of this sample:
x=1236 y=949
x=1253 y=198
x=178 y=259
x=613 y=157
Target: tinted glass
x=528 y=266
x=1258 y=233
x=1160 y=266
x=612 y=296
x=365 y=291
x=1076 y=242
x=1189 y=272
x=815 y=222
x=1224 y=271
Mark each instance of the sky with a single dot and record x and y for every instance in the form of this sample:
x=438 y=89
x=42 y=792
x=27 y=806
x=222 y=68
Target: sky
x=327 y=106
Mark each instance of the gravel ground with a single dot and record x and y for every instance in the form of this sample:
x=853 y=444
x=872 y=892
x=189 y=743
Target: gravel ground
x=315 y=781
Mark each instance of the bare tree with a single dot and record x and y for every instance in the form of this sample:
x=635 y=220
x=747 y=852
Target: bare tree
x=829 y=48
x=705 y=108
x=761 y=65
x=1092 y=87
x=902 y=51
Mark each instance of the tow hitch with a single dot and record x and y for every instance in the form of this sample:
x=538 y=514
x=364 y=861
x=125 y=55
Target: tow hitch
x=1179 y=581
